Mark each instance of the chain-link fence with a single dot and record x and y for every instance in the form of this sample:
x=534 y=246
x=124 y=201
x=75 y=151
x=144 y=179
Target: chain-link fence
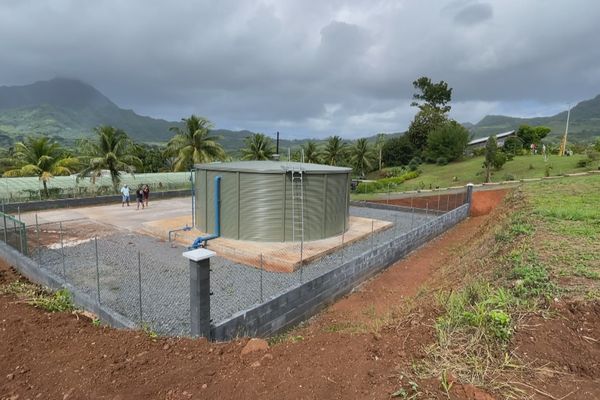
x=147 y=279
x=13 y=233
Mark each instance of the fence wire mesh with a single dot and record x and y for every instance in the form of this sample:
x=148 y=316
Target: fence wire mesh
x=147 y=280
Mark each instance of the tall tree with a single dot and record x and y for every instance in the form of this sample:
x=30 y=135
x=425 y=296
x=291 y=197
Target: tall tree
x=361 y=156
x=41 y=157
x=335 y=151
x=311 y=152
x=193 y=144
x=532 y=134
x=435 y=95
x=449 y=141
x=398 y=151
x=258 y=147
x=112 y=150
x=491 y=148
x=427 y=119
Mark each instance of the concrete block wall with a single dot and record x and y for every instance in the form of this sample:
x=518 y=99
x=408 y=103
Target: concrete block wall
x=303 y=301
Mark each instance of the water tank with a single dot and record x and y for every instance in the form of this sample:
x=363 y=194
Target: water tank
x=260 y=201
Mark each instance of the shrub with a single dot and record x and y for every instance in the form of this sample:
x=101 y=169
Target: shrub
x=499 y=160
x=441 y=161
x=382 y=185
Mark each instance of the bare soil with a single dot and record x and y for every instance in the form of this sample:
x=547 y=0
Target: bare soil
x=360 y=348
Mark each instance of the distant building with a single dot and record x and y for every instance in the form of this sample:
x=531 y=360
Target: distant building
x=501 y=137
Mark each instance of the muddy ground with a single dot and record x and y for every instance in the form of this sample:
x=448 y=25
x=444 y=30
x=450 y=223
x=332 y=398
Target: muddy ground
x=362 y=347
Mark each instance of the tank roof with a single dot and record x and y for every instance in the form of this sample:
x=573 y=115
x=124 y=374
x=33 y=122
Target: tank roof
x=273 y=167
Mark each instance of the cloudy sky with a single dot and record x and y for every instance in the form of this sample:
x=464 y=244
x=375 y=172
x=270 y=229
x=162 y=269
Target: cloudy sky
x=309 y=67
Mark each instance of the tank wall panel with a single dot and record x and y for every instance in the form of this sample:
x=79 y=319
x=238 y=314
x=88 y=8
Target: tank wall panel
x=261 y=199
x=335 y=206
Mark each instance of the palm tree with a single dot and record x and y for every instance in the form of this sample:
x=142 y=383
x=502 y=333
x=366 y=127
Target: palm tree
x=360 y=156
x=258 y=147
x=335 y=151
x=311 y=153
x=41 y=157
x=111 y=150
x=193 y=144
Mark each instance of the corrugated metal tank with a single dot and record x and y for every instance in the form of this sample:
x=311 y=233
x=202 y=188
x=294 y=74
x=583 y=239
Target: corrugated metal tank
x=256 y=200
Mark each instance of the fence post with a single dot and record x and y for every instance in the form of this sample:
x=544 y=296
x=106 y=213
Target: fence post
x=412 y=218
x=470 y=194
x=140 y=286
x=261 y=277
x=97 y=269
x=438 y=206
x=62 y=252
x=396 y=225
x=37 y=238
x=448 y=202
x=427 y=208
x=343 y=234
x=199 y=291
x=22 y=232
x=4 y=224
x=372 y=234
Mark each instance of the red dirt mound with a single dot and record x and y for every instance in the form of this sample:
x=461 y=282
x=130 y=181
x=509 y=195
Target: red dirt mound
x=486 y=200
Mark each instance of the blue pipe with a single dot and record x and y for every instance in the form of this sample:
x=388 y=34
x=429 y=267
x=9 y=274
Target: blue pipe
x=201 y=240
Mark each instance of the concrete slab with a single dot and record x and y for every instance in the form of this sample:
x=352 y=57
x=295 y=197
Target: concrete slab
x=276 y=256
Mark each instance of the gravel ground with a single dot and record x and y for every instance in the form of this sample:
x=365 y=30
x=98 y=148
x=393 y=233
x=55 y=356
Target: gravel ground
x=165 y=273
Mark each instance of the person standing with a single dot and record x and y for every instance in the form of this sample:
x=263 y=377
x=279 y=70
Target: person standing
x=125 y=195
x=146 y=192
x=139 y=195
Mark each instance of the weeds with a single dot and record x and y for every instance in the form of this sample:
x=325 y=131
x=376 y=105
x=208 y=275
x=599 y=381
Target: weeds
x=149 y=331
x=59 y=301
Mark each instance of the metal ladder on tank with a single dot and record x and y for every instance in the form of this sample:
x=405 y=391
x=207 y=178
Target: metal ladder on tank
x=297 y=207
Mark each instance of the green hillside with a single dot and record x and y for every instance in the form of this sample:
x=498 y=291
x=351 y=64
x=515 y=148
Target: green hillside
x=584 y=123
x=470 y=171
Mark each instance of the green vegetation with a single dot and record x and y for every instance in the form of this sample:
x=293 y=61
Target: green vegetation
x=258 y=147
x=470 y=170
x=110 y=150
x=41 y=157
x=59 y=301
x=193 y=144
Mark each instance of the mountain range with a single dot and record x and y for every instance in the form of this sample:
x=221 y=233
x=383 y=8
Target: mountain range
x=69 y=109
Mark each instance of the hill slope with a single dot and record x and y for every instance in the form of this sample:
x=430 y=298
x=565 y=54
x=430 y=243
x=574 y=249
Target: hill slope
x=584 y=123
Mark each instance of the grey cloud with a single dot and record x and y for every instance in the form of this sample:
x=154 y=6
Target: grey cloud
x=311 y=67
x=474 y=13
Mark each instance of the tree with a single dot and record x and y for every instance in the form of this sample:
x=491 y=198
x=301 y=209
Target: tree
x=193 y=144
x=154 y=158
x=41 y=157
x=311 y=153
x=448 y=141
x=361 y=156
x=435 y=95
x=335 y=151
x=532 y=134
x=491 y=148
x=513 y=145
x=110 y=150
x=379 y=143
x=398 y=151
x=258 y=147
x=426 y=120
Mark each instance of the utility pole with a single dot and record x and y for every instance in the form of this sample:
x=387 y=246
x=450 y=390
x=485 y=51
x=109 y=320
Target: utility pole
x=563 y=142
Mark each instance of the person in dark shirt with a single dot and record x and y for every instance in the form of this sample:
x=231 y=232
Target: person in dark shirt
x=139 y=195
x=146 y=192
